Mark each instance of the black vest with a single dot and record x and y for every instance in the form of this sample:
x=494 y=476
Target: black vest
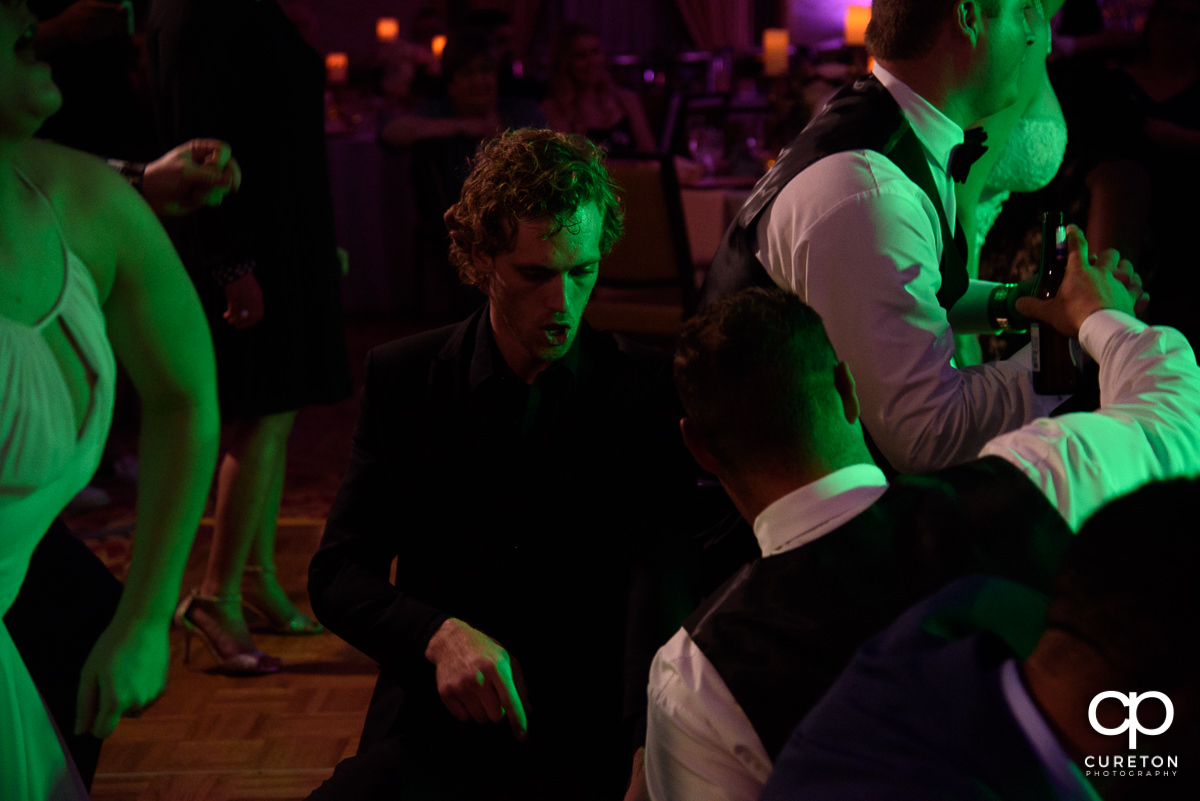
x=783 y=627
x=863 y=116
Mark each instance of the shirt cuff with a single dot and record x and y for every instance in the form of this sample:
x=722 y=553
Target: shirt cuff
x=1103 y=325
x=132 y=171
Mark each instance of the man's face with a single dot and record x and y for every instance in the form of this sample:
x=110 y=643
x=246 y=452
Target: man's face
x=1004 y=45
x=538 y=291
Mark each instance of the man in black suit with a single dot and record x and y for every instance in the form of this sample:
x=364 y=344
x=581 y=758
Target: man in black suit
x=985 y=691
x=515 y=466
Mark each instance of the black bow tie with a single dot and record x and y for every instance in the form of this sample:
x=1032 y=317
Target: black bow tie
x=966 y=154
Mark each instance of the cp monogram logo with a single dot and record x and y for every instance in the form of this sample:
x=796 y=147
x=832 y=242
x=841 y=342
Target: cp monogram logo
x=1131 y=723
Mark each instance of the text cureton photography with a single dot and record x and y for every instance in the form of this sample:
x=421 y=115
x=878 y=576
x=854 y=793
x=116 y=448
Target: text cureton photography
x=1131 y=764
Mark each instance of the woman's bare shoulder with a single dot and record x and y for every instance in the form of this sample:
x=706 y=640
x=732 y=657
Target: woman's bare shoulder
x=88 y=198
x=67 y=176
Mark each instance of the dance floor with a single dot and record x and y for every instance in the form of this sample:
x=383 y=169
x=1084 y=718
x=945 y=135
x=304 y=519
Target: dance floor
x=216 y=737
x=213 y=737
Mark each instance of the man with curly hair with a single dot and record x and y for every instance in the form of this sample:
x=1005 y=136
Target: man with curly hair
x=513 y=465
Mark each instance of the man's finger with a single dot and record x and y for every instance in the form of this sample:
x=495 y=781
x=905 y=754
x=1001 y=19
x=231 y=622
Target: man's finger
x=489 y=696
x=512 y=700
x=474 y=706
x=1077 y=242
x=1032 y=307
x=210 y=152
x=455 y=708
x=233 y=167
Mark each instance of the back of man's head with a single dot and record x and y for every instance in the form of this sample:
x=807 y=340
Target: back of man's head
x=522 y=176
x=904 y=30
x=755 y=372
x=1128 y=586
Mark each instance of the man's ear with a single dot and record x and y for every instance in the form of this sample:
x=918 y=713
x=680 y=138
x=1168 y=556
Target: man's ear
x=843 y=382
x=968 y=20
x=694 y=440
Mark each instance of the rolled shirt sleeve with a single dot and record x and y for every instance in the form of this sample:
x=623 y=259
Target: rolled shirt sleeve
x=1147 y=427
x=861 y=244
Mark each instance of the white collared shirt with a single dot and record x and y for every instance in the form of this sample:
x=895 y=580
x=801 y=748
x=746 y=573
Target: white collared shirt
x=699 y=743
x=823 y=505
x=938 y=134
x=858 y=241
x=700 y=746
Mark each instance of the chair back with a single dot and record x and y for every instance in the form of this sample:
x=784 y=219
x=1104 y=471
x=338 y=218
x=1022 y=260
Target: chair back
x=654 y=251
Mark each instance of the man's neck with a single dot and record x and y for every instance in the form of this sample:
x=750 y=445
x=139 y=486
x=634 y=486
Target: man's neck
x=933 y=78
x=519 y=360
x=753 y=493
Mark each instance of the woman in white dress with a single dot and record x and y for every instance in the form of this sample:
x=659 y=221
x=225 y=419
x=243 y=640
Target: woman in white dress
x=87 y=272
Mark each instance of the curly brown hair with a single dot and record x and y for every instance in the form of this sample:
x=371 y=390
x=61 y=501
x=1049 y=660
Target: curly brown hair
x=525 y=175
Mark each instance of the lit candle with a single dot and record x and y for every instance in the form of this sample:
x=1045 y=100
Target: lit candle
x=437 y=46
x=387 y=29
x=337 y=68
x=775 y=51
x=857 y=18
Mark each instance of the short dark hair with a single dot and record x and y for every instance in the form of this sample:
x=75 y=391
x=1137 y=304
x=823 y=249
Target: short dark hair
x=906 y=29
x=523 y=176
x=753 y=370
x=1128 y=587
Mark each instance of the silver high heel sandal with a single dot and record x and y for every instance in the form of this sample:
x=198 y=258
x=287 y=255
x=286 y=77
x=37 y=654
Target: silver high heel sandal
x=209 y=618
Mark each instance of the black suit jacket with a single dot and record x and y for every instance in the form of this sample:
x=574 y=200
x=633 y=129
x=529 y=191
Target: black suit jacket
x=522 y=523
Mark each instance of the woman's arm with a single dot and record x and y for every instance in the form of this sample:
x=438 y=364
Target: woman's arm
x=408 y=129
x=160 y=336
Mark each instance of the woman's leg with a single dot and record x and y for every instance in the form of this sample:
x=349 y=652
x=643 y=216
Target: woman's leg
x=261 y=589
x=245 y=484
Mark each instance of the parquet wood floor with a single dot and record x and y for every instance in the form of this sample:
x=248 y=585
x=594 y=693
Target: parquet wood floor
x=218 y=738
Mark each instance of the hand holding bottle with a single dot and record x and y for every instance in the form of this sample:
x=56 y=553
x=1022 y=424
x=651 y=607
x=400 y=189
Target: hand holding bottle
x=1089 y=284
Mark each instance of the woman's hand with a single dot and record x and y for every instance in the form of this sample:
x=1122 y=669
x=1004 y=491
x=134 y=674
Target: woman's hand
x=124 y=674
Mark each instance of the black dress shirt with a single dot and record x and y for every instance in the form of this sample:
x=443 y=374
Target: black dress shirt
x=519 y=509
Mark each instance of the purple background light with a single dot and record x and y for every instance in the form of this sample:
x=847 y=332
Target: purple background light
x=816 y=21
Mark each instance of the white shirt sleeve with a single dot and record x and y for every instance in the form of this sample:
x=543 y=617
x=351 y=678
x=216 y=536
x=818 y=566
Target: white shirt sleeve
x=699 y=744
x=1147 y=426
x=861 y=244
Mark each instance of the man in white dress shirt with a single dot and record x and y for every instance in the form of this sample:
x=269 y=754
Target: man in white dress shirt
x=858 y=219
x=726 y=691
